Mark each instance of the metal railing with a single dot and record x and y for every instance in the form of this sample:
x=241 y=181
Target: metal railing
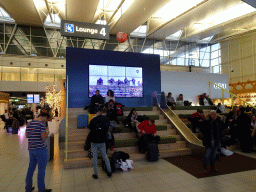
x=176 y=121
x=232 y=95
x=66 y=132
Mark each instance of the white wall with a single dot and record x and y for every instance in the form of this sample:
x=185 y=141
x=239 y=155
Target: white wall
x=25 y=86
x=192 y=84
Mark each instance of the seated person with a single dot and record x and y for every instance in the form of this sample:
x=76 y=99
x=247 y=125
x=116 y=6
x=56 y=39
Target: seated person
x=111 y=112
x=196 y=120
x=147 y=127
x=170 y=100
x=221 y=108
x=147 y=130
x=96 y=102
x=179 y=100
x=132 y=118
x=110 y=96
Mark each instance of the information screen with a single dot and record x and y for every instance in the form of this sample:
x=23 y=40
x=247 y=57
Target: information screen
x=36 y=98
x=123 y=81
x=30 y=98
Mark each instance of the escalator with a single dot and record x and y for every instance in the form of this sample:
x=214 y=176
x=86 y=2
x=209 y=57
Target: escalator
x=176 y=121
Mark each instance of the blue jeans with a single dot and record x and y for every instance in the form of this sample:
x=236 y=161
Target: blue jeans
x=102 y=148
x=38 y=156
x=210 y=156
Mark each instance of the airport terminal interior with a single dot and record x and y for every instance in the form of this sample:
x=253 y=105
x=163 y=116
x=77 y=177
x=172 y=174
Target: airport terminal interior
x=55 y=54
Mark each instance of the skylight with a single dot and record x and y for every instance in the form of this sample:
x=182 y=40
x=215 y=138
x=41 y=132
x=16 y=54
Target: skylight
x=207 y=39
x=162 y=53
x=4 y=16
x=55 y=20
x=141 y=31
x=174 y=36
x=226 y=15
x=175 y=8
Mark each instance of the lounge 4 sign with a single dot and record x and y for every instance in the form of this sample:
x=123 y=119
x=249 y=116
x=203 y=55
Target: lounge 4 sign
x=86 y=30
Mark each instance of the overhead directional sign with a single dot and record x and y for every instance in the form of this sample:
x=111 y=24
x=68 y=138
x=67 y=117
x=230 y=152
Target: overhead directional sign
x=86 y=30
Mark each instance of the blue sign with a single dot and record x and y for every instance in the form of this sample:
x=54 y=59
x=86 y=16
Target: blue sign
x=69 y=28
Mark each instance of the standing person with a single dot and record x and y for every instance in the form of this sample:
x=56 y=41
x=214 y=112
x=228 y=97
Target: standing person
x=211 y=139
x=96 y=102
x=244 y=127
x=36 y=114
x=37 y=132
x=170 y=100
x=99 y=127
x=6 y=118
x=110 y=95
x=197 y=119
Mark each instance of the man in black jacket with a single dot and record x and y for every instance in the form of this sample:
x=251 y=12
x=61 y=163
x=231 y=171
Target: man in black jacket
x=96 y=102
x=99 y=126
x=211 y=139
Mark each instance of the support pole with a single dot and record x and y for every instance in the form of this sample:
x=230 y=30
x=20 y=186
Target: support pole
x=66 y=137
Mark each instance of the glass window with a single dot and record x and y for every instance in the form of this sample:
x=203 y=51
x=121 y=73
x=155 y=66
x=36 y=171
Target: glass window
x=11 y=74
x=215 y=47
x=180 y=61
x=205 y=63
x=216 y=69
x=215 y=54
x=205 y=49
x=215 y=62
x=204 y=55
x=173 y=61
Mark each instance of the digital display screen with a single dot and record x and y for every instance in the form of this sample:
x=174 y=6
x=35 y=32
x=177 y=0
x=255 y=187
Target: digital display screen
x=123 y=81
x=30 y=98
x=36 y=98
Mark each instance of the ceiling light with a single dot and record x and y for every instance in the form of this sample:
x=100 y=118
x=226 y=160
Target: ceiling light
x=175 y=8
x=226 y=15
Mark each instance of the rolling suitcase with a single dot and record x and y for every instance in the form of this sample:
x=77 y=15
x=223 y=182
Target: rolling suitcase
x=152 y=154
x=82 y=120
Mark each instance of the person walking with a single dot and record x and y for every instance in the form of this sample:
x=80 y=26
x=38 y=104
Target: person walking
x=37 y=132
x=99 y=127
x=210 y=129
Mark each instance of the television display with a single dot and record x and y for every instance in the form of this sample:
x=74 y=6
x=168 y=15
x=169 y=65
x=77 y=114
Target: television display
x=36 y=98
x=124 y=81
x=30 y=98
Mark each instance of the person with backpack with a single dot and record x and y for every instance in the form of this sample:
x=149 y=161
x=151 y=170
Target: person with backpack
x=99 y=127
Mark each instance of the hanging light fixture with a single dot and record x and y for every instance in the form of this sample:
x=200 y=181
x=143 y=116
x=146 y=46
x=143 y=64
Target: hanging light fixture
x=121 y=36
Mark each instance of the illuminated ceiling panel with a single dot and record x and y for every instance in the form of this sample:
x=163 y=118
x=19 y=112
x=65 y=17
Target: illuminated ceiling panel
x=226 y=15
x=175 y=8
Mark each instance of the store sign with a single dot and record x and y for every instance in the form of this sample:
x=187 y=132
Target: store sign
x=222 y=85
x=86 y=30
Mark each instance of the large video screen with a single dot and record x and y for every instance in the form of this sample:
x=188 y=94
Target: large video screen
x=124 y=81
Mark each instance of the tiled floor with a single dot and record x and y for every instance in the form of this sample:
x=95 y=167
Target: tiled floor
x=160 y=176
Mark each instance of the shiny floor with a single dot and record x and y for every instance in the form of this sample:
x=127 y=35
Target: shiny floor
x=151 y=177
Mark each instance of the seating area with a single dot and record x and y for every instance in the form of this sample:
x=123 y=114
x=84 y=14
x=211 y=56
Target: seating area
x=171 y=143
